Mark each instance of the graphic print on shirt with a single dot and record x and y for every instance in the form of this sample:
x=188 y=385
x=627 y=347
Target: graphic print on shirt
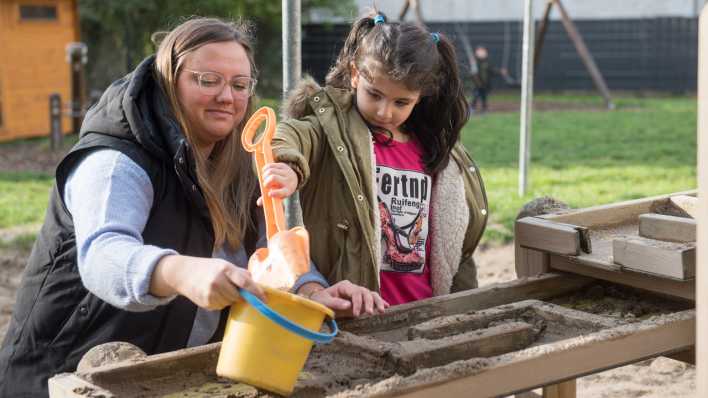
x=403 y=197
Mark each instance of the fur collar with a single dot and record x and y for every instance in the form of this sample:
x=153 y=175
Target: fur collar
x=296 y=104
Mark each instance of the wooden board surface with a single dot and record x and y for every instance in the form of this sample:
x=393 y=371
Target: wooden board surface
x=614 y=213
x=554 y=237
x=669 y=287
x=668 y=228
x=664 y=259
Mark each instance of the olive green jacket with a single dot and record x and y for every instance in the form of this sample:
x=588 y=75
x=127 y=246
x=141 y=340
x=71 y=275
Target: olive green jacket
x=325 y=140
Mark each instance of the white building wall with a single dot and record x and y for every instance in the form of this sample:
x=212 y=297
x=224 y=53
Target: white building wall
x=500 y=10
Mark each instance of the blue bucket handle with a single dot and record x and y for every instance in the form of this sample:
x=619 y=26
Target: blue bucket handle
x=288 y=324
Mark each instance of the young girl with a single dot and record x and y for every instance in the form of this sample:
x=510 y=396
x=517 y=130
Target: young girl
x=391 y=199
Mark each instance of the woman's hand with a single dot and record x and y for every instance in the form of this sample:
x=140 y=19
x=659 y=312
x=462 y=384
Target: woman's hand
x=281 y=180
x=210 y=283
x=345 y=298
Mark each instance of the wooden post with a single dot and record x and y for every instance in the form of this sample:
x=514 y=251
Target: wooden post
x=702 y=232
x=77 y=56
x=526 y=98
x=585 y=55
x=55 y=133
x=542 y=28
x=560 y=390
x=415 y=4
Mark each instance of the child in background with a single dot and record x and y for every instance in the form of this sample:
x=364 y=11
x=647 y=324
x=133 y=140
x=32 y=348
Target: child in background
x=390 y=197
x=482 y=79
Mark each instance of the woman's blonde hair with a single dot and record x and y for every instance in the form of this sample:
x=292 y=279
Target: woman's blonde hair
x=226 y=176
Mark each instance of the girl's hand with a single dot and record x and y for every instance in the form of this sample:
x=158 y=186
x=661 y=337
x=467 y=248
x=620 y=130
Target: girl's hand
x=210 y=283
x=345 y=299
x=281 y=180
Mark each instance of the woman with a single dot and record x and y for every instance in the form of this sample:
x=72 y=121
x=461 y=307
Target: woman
x=157 y=185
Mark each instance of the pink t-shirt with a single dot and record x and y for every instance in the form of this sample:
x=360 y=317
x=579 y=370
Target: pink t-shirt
x=403 y=191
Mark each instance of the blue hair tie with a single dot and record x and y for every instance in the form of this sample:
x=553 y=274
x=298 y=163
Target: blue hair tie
x=379 y=19
x=436 y=37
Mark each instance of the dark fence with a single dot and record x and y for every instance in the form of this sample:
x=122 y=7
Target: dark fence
x=633 y=54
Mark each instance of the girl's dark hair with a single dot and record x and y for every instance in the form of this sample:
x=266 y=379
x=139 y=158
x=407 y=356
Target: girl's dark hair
x=408 y=53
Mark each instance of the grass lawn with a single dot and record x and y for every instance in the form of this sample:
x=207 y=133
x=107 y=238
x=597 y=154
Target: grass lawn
x=23 y=197
x=643 y=148
x=646 y=147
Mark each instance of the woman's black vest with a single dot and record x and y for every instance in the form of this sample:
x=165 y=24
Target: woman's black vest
x=56 y=320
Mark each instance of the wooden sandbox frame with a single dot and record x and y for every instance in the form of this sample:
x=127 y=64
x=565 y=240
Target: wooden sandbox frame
x=565 y=242
x=513 y=372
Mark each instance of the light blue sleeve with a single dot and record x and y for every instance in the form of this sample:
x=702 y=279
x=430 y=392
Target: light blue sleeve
x=313 y=276
x=109 y=197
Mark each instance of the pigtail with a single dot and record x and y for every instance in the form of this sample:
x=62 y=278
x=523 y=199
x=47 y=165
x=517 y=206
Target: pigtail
x=443 y=112
x=339 y=75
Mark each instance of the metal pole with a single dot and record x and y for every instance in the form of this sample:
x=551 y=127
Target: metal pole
x=292 y=60
x=526 y=97
x=702 y=238
x=292 y=69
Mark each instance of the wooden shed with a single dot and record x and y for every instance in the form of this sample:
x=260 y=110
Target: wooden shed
x=33 y=65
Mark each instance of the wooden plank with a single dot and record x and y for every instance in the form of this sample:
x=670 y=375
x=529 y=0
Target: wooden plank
x=612 y=214
x=679 y=289
x=521 y=371
x=554 y=237
x=529 y=262
x=565 y=389
x=687 y=204
x=668 y=228
x=410 y=356
x=674 y=260
x=68 y=385
x=160 y=365
x=702 y=218
x=402 y=316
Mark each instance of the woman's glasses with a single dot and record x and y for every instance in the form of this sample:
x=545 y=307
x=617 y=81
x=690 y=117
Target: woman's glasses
x=212 y=83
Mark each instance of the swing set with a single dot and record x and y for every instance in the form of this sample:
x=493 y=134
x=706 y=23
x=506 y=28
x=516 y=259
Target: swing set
x=570 y=28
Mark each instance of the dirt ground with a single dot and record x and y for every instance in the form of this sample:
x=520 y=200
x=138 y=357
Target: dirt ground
x=657 y=378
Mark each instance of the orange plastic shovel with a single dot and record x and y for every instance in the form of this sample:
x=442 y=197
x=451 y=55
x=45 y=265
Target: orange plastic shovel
x=288 y=253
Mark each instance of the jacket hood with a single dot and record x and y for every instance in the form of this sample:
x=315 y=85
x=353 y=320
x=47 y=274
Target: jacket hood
x=135 y=108
x=297 y=104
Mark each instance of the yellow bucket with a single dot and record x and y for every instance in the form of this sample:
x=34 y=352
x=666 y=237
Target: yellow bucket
x=268 y=350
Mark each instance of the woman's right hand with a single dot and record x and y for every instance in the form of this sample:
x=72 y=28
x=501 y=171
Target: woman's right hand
x=210 y=283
